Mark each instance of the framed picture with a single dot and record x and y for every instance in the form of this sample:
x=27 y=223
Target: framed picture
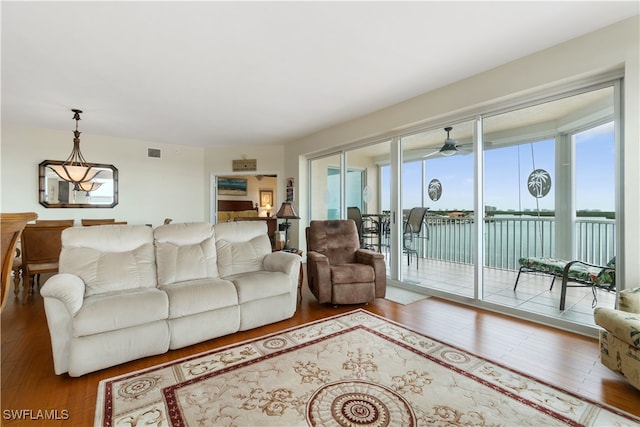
x=232 y=186
x=290 y=194
x=266 y=198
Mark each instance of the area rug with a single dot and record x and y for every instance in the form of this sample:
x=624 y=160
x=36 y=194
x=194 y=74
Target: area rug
x=403 y=296
x=355 y=369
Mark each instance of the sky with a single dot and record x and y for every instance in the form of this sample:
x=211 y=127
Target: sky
x=507 y=171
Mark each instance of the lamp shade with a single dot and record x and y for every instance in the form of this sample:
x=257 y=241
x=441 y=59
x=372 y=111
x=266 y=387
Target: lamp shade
x=286 y=211
x=89 y=186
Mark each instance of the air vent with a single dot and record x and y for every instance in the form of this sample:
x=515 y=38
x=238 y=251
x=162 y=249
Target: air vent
x=154 y=152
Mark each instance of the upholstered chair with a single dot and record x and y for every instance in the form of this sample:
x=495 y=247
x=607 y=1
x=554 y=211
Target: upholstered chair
x=620 y=336
x=338 y=270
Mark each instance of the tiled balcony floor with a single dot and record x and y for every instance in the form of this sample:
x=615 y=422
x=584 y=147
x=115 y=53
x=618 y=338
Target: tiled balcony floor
x=532 y=294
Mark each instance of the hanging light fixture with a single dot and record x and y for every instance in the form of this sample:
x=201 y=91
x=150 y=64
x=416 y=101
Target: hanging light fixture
x=89 y=186
x=75 y=169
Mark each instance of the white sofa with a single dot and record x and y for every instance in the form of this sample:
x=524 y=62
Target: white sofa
x=124 y=292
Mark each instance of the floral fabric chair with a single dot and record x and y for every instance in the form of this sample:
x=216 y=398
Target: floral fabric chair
x=585 y=274
x=620 y=338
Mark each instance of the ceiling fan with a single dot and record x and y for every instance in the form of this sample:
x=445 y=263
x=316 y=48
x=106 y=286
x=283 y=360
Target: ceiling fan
x=452 y=146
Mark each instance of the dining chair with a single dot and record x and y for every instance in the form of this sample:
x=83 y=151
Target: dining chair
x=100 y=221
x=11 y=226
x=41 y=245
x=16 y=269
x=67 y=222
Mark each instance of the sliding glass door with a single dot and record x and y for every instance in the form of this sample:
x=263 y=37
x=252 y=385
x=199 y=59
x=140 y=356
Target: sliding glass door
x=549 y=180
x=326 y=187
x=536 y=180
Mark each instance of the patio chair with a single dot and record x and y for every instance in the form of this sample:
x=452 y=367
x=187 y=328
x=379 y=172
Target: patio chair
x=411 y=233
x=579 y=272
x=368 y=229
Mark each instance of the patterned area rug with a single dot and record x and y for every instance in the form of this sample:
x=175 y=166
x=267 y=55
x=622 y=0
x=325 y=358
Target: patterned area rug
x=356 y=369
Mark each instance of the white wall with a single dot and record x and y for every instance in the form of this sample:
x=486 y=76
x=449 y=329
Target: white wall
x=611 y=48
x=149 y=189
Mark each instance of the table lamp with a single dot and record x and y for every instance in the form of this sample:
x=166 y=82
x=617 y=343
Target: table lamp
x=286 y=212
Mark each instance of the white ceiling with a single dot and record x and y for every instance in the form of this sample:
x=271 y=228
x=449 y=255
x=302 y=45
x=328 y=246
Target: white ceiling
x=244 y=73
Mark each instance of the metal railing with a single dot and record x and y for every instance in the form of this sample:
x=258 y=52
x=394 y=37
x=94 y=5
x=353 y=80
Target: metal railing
x=508 y=239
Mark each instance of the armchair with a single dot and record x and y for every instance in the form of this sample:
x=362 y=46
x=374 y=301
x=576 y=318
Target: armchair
x=620 y=338
x=339 y=271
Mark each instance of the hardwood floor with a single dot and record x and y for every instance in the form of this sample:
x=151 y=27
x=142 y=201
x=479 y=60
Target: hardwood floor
x=557 y=357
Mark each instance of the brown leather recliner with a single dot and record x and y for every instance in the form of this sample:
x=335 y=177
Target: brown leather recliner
x=338 y=271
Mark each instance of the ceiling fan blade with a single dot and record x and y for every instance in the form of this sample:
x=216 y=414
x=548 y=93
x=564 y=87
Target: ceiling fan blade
x=431 y=154
x=468 y=148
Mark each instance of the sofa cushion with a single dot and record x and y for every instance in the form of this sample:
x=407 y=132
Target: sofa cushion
x=197 y=296
x=241 y=246
x=185 y=251
x=110 y=257
x=352 y=273
x=260 y=284
x=110 y=311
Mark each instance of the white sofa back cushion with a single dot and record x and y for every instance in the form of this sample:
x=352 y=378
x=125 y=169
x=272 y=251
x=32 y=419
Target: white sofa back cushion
x=241 y=246
x=185 y=251
x=109 y=257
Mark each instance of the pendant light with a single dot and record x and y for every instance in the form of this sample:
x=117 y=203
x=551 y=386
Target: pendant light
x=89 y=186
x=75 y=169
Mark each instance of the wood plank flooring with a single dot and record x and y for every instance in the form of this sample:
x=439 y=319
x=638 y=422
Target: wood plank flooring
x=560 y=358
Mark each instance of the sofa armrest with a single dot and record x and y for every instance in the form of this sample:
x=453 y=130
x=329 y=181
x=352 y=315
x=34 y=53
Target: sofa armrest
x=67 y=288
x=284 y=262
x=629 y=300
x=624 y=326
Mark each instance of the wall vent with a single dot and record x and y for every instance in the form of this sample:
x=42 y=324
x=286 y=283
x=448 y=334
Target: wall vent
x=154 y=152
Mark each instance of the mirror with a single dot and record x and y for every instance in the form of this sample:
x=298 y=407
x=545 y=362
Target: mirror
x=57 y=193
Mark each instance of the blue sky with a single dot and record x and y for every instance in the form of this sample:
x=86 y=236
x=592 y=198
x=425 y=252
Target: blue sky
x=507 y=171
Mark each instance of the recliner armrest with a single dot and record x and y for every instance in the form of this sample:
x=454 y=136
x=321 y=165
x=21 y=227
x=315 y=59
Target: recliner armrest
x=319 y=276
x=366 y=256
x=67 y=288
x=317 y=257
x=375 y=260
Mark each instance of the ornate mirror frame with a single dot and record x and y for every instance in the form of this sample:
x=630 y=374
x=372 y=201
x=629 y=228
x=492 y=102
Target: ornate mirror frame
x=52 y=188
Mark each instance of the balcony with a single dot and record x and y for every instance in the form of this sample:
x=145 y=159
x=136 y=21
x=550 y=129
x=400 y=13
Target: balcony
x=445 y=262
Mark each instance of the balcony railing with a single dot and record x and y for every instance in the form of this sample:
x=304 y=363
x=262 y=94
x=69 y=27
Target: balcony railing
x=510 y=238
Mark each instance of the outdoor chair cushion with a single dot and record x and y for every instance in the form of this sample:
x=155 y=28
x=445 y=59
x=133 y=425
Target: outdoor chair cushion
x=578 y=271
